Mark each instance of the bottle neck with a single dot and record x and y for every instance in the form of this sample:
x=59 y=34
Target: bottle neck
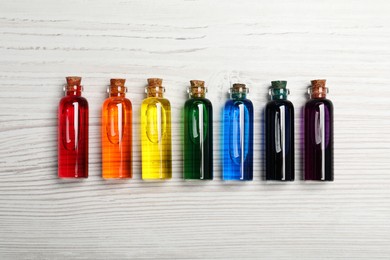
x=155 y=91
x=238 y=95
x=317 y=93
x=117 y=95
x=73 y=90
x=315 y=97
x=278 y=93
x=197 y=96
x=117 y=91
x=238 y=91
x=197 y=91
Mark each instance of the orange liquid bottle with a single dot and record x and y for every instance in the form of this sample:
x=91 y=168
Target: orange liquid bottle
x=117 y=132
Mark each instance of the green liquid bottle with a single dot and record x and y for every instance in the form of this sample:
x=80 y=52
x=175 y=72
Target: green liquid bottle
x=198 y=134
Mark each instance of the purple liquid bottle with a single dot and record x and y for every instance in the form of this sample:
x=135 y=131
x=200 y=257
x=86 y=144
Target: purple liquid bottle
x=318 y=156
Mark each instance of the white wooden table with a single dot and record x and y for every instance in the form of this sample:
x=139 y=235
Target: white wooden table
x=221 y=42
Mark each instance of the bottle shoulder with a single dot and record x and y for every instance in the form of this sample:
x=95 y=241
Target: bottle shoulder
x=316 y=102
x=279 y=103
x=231 y=102
x=154 y=100
x=82 y=101
x=204 y=101
x=117 y=100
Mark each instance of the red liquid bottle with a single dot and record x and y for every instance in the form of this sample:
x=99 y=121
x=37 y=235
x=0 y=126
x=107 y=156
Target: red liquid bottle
x=73 y=132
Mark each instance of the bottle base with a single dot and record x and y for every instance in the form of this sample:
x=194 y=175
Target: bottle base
x=117 y=178
x=197 y=179
x=72 y=177
x=156 y=179
x=236 y=180
x=279 y=180
x=314 y=180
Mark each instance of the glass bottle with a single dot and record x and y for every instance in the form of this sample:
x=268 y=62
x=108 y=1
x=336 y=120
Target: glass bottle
x=198 y=134
x=318 y=113
x=156 y=133
x=279 y=134
x=73 y=132
x=117 y=132
x=238 y=135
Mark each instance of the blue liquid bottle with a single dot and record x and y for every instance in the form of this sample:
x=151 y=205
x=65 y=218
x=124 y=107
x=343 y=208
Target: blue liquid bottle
x=238 y=136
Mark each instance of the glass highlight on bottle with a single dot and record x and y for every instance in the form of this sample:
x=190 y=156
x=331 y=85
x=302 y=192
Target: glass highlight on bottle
x=117 y=132
x=279 y=134
x=73 y=132
x=238 y=135
x=198 y=134
x=318 y=113
x=156 y=133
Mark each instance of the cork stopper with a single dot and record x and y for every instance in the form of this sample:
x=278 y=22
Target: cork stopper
x=278 y=90
x=155 y=88
x=73 y=81
x=197 y=88
x=197 y=83
x=239 y=87
x=155 y=82
x=73 y=86
x=318 y=83
x=279 y=84
x=117 y=82
x=117 y=87
x=318 y=89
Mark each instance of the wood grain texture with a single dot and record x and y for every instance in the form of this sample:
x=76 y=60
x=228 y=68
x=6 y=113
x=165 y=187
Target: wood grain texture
x=221 y=42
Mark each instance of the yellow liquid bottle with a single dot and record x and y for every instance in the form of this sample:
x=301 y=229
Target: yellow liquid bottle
x=156 y=133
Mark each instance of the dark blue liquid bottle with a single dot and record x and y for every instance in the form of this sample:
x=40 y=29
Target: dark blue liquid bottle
x=279 y=134
x=238 y=136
